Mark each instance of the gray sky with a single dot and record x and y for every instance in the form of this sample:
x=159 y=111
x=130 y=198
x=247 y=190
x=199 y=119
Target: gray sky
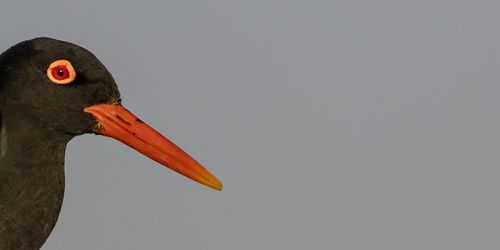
x=333 y=124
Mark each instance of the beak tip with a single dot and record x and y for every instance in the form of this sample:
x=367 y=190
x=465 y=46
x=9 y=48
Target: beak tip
x=216 y=185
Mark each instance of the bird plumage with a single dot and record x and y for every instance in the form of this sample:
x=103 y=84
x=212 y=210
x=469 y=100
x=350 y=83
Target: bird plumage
x=38 y=119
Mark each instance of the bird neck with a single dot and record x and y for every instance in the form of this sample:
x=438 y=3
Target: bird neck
x=31 y=182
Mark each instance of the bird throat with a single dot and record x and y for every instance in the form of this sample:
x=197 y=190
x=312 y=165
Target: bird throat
x=31 y=183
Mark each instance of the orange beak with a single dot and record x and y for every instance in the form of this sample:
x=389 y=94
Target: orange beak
x=115 y=121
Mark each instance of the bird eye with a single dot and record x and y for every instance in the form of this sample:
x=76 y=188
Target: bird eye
x=61 y=72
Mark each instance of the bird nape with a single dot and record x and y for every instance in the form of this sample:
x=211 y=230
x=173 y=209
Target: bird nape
x=50 y=92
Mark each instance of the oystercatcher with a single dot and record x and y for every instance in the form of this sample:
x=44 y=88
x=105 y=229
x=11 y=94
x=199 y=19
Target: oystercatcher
x=50 y=92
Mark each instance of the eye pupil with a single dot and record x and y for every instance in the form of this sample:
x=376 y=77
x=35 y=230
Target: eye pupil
x=60 y=72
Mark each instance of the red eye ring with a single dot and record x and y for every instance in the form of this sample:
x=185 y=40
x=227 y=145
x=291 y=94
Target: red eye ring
x=61 y=72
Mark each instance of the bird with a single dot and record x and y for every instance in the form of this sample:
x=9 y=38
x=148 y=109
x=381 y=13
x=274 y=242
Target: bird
x=51 y=91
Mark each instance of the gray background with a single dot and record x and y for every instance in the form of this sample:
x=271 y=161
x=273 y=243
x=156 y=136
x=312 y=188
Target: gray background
x=333 y=124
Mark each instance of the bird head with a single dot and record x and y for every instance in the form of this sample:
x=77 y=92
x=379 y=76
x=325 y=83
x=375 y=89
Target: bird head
x=63 y=88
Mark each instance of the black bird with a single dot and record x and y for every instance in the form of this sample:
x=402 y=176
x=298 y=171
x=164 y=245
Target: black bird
x=50 y=92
